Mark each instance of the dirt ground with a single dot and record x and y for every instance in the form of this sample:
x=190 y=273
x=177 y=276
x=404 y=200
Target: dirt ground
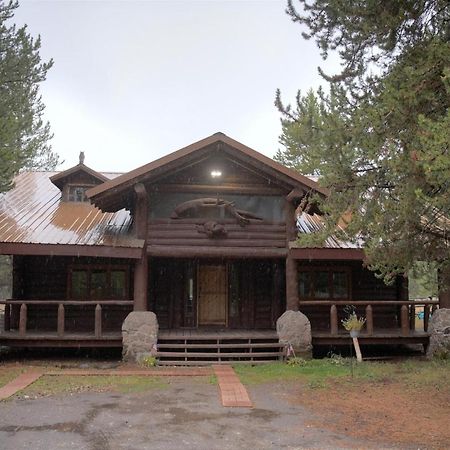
x=187 y=414
x=341 y=413
x=389 y=411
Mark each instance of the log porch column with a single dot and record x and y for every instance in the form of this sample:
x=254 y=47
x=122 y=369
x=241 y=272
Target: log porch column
x=141 y=267
x=291 y=263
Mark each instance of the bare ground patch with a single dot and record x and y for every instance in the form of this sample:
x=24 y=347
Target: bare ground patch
x=381 y=411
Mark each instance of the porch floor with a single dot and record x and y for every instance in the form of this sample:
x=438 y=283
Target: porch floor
x=38 y=338
x=216 y=333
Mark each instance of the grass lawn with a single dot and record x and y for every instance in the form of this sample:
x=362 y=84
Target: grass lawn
x=8 y=373
x=403 y=403
x=66 y=384
x=318 y=373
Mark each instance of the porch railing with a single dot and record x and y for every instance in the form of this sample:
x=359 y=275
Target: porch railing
x=407 y=312
x=61 y=312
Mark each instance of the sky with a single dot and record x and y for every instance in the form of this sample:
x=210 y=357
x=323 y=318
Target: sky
x=135 y=80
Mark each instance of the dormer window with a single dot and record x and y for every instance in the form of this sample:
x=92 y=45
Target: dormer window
x=74 y=182
x=77 y=193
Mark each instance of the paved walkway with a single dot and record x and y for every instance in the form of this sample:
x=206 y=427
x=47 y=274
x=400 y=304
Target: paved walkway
x=233 y=392
x=19 y=383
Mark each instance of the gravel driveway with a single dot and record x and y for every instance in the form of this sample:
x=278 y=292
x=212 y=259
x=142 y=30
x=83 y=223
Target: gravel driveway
x=185 y=415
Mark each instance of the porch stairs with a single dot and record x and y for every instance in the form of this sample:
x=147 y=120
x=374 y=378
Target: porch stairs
x=217 y=348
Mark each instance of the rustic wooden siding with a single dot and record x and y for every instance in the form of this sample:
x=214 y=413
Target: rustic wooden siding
x=259 y=290
x=364 y=286
x=185 y=233
x=46 y=278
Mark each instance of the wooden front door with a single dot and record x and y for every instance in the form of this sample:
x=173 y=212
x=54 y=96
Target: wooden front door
x=212 y=295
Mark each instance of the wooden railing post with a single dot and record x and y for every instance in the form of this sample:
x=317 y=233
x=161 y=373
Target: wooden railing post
x=369 y=320
x=7 y=319
x=98 y=321
x=412 y=317
x=333 y=320
x=404 y=322
x=23 y=319
x=61 y=320
x=426 y=317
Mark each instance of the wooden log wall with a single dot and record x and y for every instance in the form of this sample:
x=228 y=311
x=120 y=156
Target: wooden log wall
x=364 y=286
x=46 y=278
x=185 y=233
x=259 y=290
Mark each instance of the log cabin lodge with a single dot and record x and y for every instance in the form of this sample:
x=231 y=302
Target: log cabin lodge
x=204 y=237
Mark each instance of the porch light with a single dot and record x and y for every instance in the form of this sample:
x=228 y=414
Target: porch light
x=216 y=173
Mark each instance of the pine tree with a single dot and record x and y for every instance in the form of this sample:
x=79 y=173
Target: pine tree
x=380 y=139
x=24 y=136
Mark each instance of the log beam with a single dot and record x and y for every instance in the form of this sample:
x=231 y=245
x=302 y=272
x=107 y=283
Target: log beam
x=369 y=320
x=141 y=266
x=404 y=320
x=23 y=319
x=98 y=321
x=61 y=324
x=140 y=284
x=333 y=320
x=291 y=285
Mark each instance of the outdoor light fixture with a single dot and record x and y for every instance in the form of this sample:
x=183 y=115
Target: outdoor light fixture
x=216 y=173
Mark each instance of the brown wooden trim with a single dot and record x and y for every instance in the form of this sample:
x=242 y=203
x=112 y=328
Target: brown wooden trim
x=71 y=302
x=214 y=252
x=295 y=195
x=223 y=188
x=292 y=299
x=352 y=254
x=201 y=220
x=224 y=243
x=101 y=251
x=366 y=302
x=239 y=152
x=192 y=233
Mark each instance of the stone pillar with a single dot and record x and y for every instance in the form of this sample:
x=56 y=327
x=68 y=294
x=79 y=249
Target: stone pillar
x=444 y=288
x=139 y=336
x=141 y=267
x=294 y=329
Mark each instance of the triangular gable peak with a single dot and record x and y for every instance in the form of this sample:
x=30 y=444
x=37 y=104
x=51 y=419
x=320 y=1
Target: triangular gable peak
x=77 y=177
x=196 y=165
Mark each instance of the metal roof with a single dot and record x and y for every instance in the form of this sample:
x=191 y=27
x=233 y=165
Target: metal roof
x=310 y=223
x=32 y=213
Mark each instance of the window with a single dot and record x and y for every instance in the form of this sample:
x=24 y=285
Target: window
x=77 y=193
x=324 y=283
x=98 y=283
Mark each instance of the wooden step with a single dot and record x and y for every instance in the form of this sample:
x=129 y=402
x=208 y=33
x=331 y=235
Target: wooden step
x=227 y=345
x=217 y=355
x=215 y=337
x=209 y=363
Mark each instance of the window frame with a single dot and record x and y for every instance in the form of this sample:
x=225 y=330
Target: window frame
x=89 y=268
x=330 y=269
x=73 y=185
